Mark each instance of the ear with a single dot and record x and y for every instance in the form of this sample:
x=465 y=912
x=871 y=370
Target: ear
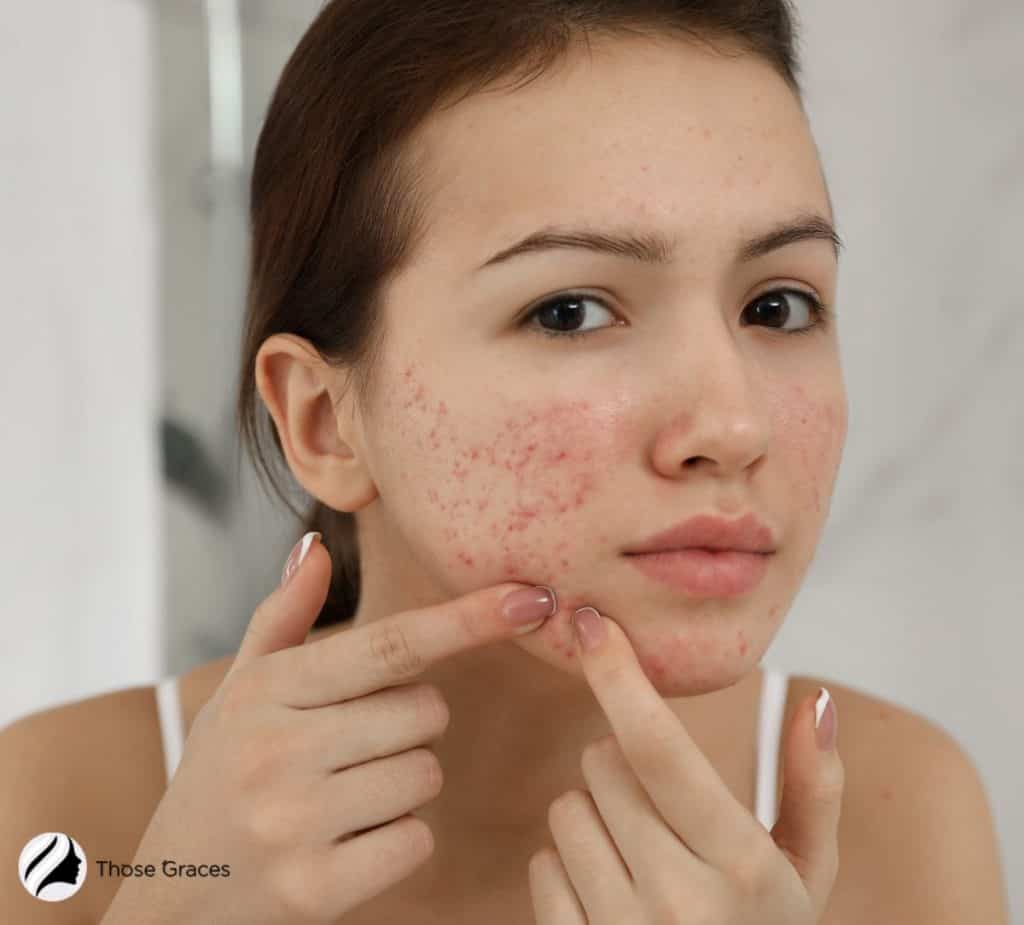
x=317 y=421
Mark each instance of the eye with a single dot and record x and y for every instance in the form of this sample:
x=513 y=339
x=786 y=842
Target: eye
x=773 y=309
x=563 y=311
x=776 y=302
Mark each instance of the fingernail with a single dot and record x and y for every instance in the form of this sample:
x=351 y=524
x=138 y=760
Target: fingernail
x=825 y=723
x=589 y=627
x=527 y=608
x=297 y=555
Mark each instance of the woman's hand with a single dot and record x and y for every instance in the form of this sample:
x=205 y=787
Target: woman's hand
x=301 y=773
x=659 y=838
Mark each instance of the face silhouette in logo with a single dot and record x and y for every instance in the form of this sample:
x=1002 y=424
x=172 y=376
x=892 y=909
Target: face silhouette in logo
x=65 y=870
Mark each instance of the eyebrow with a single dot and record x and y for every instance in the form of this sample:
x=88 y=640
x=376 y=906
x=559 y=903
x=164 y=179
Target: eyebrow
x=653 y=247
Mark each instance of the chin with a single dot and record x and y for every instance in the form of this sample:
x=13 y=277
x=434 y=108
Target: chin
x=679 y=660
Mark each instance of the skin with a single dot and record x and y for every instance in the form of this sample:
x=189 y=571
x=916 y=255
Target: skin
x=492 y=452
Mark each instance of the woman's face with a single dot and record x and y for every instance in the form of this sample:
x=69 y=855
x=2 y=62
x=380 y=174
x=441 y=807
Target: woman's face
x=502 y=453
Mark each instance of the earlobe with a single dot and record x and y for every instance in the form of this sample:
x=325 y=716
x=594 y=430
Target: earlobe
x=318 y=435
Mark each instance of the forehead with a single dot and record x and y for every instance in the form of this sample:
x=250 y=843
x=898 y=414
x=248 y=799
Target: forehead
x=663 y=131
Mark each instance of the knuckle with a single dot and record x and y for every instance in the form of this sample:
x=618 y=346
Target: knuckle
x=663 y=908
x=269 y=824
x=752 y=871
x=257 y=764
x=390 y=648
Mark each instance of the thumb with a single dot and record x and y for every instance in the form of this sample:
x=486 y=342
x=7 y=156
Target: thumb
x=283 y=619
x=807 y=829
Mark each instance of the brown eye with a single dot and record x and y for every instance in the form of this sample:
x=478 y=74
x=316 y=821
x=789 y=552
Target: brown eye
x=774 y=310
x=563 y=313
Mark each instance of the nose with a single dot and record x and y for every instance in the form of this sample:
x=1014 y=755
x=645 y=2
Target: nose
x=716 y=414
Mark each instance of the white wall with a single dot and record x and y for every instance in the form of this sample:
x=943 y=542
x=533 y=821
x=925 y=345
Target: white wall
x=81 y=564
x=917 y=588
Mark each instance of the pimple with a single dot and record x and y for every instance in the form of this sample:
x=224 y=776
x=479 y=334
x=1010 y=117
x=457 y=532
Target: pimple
x=655 y=668
x=663 y=657
x=540 y=460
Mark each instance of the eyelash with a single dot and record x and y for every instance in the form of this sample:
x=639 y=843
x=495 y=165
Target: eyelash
x=821 y=314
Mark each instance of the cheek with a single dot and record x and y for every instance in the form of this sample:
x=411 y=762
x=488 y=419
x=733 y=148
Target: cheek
x=811 y=435
x=508 y=481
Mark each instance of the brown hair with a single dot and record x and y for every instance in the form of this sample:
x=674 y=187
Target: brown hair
x=334 y=210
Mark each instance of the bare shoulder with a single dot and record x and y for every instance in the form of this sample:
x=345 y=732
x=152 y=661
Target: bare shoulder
x=92 y=768
x=917 y=839
x=108 y=740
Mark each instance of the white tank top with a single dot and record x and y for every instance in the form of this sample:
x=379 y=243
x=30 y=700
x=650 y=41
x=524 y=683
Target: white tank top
x=769 y=726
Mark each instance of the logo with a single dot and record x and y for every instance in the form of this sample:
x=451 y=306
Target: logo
x=52 y=866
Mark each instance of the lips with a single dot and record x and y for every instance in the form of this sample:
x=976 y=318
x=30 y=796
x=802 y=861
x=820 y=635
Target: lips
x=708 y=532
x=704 y=573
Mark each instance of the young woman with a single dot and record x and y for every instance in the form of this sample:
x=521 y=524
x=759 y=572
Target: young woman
x=537 y=289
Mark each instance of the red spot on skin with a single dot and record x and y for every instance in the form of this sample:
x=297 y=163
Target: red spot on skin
x=887 y=793
x=535 y=490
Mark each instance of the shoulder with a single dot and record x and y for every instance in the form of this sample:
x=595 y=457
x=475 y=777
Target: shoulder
x=85 y=736
x=917 y=837
x=92 y=768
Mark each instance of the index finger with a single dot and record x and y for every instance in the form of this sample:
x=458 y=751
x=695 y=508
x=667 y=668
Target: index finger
x=679 y=778
x=392 y=650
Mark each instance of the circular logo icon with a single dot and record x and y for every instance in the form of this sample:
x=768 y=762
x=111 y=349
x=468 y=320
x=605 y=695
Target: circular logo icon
x=52 y=866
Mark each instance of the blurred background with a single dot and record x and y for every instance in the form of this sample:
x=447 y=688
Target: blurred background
x=132 y=551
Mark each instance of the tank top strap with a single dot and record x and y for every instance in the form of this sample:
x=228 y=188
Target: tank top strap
x=168 y=705
x=769 y=733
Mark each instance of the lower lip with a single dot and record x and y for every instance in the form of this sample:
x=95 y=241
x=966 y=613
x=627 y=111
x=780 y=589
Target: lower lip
x=704 y=572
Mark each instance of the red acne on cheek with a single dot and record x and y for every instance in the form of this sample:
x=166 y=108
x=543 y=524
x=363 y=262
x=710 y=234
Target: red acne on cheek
x=814 y=430
x=536 y=468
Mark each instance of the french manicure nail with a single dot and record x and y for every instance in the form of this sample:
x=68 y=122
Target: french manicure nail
x=297 y=555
